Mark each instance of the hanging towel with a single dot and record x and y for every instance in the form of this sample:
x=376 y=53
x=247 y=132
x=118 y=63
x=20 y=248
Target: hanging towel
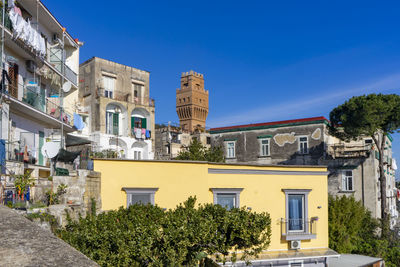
x=147 y=134
x=78 y=122
x=138 y=133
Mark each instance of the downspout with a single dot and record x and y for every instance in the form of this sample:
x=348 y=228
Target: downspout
x=362 y=183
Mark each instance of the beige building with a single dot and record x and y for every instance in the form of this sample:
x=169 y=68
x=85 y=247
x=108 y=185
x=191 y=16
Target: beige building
x=116 y=108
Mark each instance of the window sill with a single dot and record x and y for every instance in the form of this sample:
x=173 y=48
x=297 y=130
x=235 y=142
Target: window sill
x=347 y=191
x=261 y=157
x=230 y=158
x=299 y=236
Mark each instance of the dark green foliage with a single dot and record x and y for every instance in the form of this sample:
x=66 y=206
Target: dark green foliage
x=366 y=115
x=196 y=151
x=353 y=230
x=369 y=115
x=149 y=236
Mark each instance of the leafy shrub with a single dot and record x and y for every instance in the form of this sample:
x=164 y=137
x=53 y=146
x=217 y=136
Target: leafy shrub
x=147 y=235
x=353 y=230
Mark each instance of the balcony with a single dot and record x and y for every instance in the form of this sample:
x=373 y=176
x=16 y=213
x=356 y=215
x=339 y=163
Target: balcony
x=299 y=229
x=54 y=57
x=348 y=151
x=35 y=97
x=125 y=97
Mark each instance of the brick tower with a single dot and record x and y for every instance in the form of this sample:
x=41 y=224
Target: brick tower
x=192 y=102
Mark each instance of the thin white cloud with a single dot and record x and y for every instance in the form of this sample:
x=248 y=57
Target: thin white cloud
x=294 y=108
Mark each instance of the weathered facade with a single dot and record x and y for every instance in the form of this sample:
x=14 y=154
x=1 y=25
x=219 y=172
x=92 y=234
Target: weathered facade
x=170 y=140
x=353 y=166
x=117 y=109
x=41 y=61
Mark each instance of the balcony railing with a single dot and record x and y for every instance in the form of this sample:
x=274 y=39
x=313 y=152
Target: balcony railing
x=36 y=97
x=348 y=151
x=125 y=97
x=299 y=229
x=54 y=56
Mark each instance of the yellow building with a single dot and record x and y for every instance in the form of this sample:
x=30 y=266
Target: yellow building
x=296 y=198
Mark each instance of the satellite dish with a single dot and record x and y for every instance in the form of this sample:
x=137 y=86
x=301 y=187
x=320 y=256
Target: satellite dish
x=66 y=87
x=50 y=149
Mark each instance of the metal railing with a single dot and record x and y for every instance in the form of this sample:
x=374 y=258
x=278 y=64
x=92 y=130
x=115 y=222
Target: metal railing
x=36 y=97
x=299 y=226
x=54 y=57
x=348 y=151
x=125 y=97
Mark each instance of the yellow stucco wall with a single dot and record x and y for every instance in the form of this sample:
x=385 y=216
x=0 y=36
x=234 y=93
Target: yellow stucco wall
x=176 y=181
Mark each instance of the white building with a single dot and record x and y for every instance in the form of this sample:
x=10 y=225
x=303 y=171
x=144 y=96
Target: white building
x=39 y=57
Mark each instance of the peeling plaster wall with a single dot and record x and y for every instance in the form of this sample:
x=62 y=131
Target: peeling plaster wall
x=284 y=145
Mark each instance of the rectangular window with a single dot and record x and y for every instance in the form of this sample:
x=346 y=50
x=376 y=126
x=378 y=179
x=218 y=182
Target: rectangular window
x=230 y=149
x=137 y=155
x=347 y=180
x=226 y=200
x=139 y=195
x=227 y=197
x=297 y=226
x=264 y=147
x=109 y=86
x=303 y=144
x=109 y=122
x=296 y=212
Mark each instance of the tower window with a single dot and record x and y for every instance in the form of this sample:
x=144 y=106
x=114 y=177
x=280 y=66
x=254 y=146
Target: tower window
x=186 y=85
x=200 y=100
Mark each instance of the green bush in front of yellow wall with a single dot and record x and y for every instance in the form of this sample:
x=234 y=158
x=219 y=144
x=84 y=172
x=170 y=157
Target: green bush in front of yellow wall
x=146 y=235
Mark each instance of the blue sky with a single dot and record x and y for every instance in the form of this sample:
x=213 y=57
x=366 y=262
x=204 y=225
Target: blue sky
x=262 y=60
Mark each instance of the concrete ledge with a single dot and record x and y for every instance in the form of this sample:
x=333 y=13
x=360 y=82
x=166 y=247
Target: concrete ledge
x=23 y=243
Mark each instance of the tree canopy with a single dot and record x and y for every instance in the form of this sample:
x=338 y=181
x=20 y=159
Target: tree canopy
x=197 y=151
x=146 y=235
x=376 y=116
x=366 y=115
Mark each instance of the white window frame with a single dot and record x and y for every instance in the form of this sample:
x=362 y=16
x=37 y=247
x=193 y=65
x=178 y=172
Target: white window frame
x=296 y=262
x=302 y=142
x=227 y=149
x=139 y=191
x=109 y=86
x=305 y=193
x=267 y=145
x=235 y=191
x=345 y=181
x=109 y=119
x=137 y=154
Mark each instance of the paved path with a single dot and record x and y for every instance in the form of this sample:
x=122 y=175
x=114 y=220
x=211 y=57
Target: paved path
x=22 y=243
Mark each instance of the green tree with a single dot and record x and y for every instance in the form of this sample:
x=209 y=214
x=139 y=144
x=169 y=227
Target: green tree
x=146 y=235
x=371 y=115
x=353 y=230
x=197 y=151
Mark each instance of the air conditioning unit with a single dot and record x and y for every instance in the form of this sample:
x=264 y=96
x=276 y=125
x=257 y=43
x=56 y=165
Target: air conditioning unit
x=295 y=244
x=30 y=66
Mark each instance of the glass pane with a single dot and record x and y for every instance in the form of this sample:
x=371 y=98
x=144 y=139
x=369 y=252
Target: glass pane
x=303 y=139
x=349 y=173
x=296 y=212
x=264 y=142
x=226 y=200
x=140 y=199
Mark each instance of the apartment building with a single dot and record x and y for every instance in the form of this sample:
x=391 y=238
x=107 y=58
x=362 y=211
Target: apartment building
x=116 y=108
x=39 y=94
x=353 y=166
x=296 y=198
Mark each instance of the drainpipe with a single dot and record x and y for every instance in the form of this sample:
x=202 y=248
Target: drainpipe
x=362 y=182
